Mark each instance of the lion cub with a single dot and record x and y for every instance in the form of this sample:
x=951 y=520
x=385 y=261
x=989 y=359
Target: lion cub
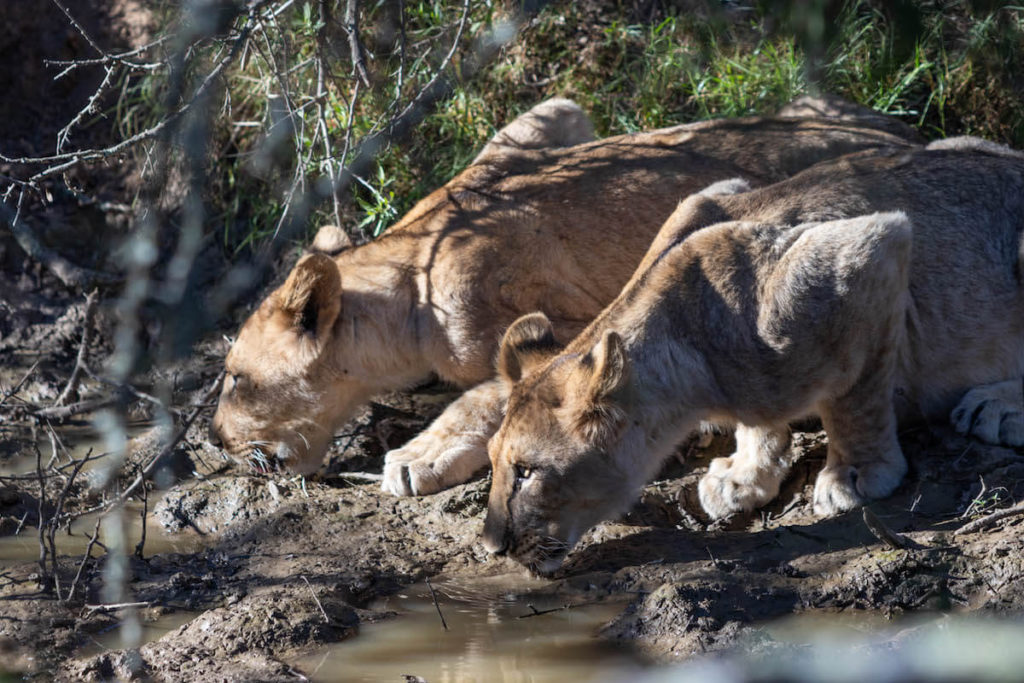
x=874 y=286
x=544 y=219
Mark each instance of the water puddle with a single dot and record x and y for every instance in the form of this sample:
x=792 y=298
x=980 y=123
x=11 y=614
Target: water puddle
x=499 y=629
x=113 y=638
x=25 y=546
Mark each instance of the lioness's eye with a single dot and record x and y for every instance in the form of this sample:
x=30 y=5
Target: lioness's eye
x=523 y=472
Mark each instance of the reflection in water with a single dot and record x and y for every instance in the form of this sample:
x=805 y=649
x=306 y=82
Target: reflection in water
x=150 y=631
x=25 y=546
x=490 y=637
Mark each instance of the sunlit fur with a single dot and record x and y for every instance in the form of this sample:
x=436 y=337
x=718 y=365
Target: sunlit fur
x=541 y=220
x=783 y=309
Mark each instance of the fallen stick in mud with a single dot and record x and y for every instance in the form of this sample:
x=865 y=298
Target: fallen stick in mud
x=93 y=609
x=358 y=477
x=990 y=520
x=540 y=612
x=433 y=596
x=327 y=619
x=883 y=533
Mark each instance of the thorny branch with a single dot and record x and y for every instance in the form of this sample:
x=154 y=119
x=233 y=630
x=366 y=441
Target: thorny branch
x=355 y=45
x=71 y=388
x=195 y=63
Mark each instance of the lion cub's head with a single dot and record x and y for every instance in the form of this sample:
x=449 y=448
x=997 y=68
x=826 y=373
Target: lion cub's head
x=284 y=391
x=559 y=458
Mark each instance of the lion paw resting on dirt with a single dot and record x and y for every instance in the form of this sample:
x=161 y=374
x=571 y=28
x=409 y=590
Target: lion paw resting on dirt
x=883 y=284
x=542 y=220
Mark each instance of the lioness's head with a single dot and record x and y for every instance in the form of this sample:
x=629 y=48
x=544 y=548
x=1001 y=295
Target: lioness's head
x=285 y=391
x=561 y=458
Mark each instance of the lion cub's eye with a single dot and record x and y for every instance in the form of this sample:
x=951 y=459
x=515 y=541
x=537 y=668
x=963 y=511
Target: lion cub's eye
x=523 y=472
x=239 y=382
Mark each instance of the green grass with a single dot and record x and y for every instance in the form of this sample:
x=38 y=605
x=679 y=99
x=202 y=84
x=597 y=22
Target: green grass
x=959 y=74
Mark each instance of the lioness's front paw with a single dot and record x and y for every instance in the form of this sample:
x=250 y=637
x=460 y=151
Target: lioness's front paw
x=843 y=488
x=993 y=413
x=726 y=488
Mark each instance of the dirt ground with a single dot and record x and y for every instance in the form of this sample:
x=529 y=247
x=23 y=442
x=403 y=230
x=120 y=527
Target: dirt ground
x=281 y=566
x=284 y=566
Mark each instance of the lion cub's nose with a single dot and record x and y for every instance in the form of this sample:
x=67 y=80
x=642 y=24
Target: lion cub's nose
x=213 y=436
x=495 y=536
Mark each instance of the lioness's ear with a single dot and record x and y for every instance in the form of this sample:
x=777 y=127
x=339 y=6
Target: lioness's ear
x=527 y=343
x=330 y=240
x=611 y=368
x=311 y=296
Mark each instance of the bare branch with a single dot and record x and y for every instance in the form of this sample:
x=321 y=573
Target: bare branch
x=71 y=388
x=355 y=47
x=79 y=28
x=89 y=108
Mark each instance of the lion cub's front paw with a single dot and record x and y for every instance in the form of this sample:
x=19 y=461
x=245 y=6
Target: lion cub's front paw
x=427 y=465
x=728 y=488
x=408 y=472
x=993 y=413
x=396 y=472
x=846 y=487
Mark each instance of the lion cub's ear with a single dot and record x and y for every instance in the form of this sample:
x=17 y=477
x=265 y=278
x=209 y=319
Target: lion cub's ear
x=311 y=296
x=528 y=342
x=611 y=368
x=599 y=415
x=330 y=240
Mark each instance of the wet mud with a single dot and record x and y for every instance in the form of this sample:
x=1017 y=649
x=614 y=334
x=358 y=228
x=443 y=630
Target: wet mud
x=278 y=567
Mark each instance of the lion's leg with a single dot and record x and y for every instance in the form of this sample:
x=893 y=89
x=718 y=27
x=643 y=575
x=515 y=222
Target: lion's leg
x=993 y=413
x=452 y=448
x=751 y=476
x=864 y=457
x=557 y=122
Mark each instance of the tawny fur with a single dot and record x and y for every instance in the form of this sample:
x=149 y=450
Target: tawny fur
x=799 y=300
x=529 y=226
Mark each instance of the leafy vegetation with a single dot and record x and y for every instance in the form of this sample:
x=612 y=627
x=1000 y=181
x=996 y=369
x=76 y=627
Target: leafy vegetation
x=284 y=122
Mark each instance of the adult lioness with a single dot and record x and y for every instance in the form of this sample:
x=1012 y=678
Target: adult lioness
x=558 y=229
x=797 y=300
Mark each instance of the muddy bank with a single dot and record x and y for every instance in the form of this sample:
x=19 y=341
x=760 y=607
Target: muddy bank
x=287 y=567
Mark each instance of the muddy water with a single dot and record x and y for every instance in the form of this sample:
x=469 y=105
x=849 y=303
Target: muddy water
x=494 y=634
x=113 y=638
x=25 y=546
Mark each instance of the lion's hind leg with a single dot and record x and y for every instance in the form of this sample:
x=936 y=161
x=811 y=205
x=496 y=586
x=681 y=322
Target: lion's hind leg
x=993 y=413
x=452 y=449
x=751 y=476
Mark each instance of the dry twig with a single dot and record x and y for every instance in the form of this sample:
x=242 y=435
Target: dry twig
x=71 y=388
x=883 y=533
x=355 y=46
x=327 y=619
x=990 y=520
x=433 y=596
